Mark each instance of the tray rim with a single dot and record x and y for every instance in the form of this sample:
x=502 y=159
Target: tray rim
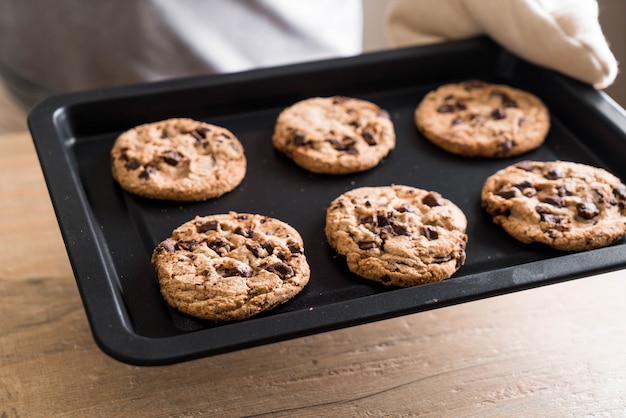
x=80 y=232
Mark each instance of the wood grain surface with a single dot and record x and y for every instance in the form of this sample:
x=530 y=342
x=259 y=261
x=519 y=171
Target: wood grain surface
x=558 y=350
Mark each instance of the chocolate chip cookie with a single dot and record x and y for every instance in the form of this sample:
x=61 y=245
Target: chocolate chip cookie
x=230 y=266
x=334 y=135
x=178 y=159
x=479 y=119
x=568 y=206
x=397 y=235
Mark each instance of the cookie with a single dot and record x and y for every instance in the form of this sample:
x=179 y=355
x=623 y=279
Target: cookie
x=178 y=159
x=334 y=135
x=397 y=235
x=568 y=206
x=230 y=266
x=479 y=119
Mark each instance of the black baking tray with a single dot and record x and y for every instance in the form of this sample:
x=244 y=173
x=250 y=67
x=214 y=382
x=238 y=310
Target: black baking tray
x=110 y=234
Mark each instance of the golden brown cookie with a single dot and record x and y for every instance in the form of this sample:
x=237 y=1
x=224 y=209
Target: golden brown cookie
x=566 y=205
x=478 y=119
x=230 y=266
x=178 y=159
x=334 y=135
x=397 y=235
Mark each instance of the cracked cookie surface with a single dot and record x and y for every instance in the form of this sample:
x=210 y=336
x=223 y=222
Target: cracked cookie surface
x=230 y=266
x=178 y=159
x=479 y=119
x=568 y=206
x=397 y=235
x=334 y=135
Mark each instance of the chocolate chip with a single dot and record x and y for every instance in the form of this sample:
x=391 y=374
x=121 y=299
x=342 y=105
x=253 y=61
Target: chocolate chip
x=551 y=218
x=348 y=147
x=452 y=107
x=620 y=192
x=367 y=245
x=565 y=190
x=187 y=245
x=207 y=226
x=507 y=101
x=197 y=136
x=147 y=172
x=254 y=249
x=123 y=156
x=446 y=108
x=268 y=247
x=498 y=113
x=505 y=147
x=281 y=269
x=171 y=157
x=506 y=194
x=524 y=185
x=219 y=244
x=400 y=229
x=553 y=200
x=587 y=209
x=295 y=248
x=430 y=233
x=554 y=174
x=456 y=121
x=168 y=245
x=281 y=255
x=525 y=165
x=460 y=105
x=132 y=164
x=442 y=259
x=382 y=219
x=246 y=232
x=432 y=200
x=546 y=216
x=386 y=230
x=299 y=139
x=369 y=138
x=236 y=271
x=199 y=133
x=405 y=208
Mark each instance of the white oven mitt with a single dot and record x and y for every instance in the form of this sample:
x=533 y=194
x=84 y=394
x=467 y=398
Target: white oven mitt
x=563 y=35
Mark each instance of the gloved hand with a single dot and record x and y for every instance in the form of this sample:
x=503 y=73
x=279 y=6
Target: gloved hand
x=563 y=35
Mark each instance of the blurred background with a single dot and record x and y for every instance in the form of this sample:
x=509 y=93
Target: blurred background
x=612 y=19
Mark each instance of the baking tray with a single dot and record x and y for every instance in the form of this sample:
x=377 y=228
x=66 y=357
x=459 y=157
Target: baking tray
x=110 y=234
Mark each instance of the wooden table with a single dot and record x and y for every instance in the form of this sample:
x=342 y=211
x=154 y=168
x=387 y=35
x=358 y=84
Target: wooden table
x=558 y=350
